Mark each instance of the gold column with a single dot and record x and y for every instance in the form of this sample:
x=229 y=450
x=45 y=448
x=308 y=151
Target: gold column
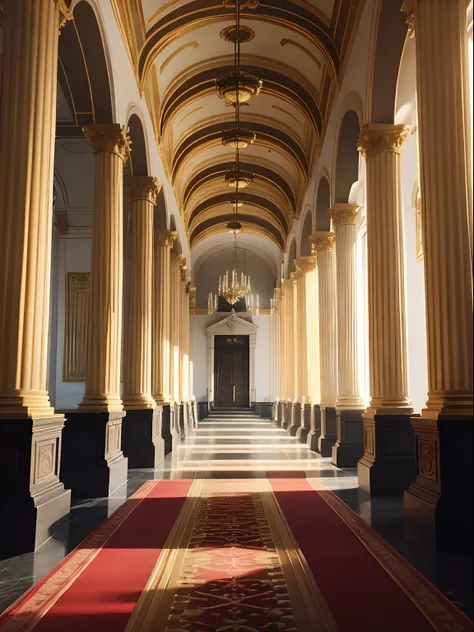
x=386 y=468
x=293 y=392
x=27 y=124
x=287 y=369
x=161 y=326
x=323 y=246
x=111 y=148
x=29 y=429
x=174 y=329
x=137 y=368
x=349 y=446
x=443 y=433
x=305 y=348
x=182 y=330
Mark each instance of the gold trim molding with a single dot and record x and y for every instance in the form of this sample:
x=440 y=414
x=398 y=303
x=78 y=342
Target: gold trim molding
x=285 y=42
x=174 y=54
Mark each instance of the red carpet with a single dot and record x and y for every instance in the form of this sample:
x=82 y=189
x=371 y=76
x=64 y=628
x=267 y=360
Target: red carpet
x=230 y=568
x=104 y=577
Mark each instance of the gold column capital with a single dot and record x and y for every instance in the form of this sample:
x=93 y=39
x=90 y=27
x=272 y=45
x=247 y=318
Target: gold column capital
x=408 y=7
x=322 y=240
x=343 y=214
x=64 y=12
x=379 y=138
x=305 y=264
x=192 y=300
x=286 y=285
x=110 y=138
x=293 y=278
x=165 y=237
x=143 y=188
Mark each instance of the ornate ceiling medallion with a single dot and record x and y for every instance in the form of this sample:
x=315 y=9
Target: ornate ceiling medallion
x=238 y=86
x=229 y=34
x=244 y=4
x=238 y=138
x=238 y=179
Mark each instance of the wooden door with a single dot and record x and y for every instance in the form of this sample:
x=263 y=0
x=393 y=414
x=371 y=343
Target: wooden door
x=232 y=371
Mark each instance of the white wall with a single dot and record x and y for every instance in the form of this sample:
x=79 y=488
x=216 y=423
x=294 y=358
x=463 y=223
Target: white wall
x=200 y=355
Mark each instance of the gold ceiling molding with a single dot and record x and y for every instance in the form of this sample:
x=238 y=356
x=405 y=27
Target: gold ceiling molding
x=199 y=109
x=131 y=25
x=179 y=50
x=162 y=9
x=285 y=42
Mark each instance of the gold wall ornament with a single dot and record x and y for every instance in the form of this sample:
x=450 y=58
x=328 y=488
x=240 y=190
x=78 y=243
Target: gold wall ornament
x=408 y=7
x=64 y=12
x=245 y=4
x=144 y=188
x=378 y=138
x=322 y=240
x=165 y=237
x=342 y=214
x=286 y=42
x=192 y=301
x=111 y=138
x=76 y=332
x=175 y=53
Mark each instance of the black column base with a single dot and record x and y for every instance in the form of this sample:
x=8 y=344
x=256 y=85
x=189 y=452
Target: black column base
x=281 y=414
x=329 y=425
x=203 y=410
x=142 y=442
x=295 y=417
x=287 y=411
x=439 y=504
x=307 y=422
x=388 y=464
x=92 y=460
x=166 y=428
x=349 y=447
x=264 y=409
x=33 y=501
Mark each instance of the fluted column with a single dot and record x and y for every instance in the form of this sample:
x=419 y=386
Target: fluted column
x=182 y=330
x=349 y=405
x=111 y=148
x=137 y=368
x=27 y=124
x=30 y=432
x=444 y=431
x=287 y=368
x=174 y=314
x=304 y=269
x=161 y=334
x=324 y=249
x=388 y=462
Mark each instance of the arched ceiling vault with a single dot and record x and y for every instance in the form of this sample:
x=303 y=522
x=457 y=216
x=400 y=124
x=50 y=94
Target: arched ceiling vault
x=297 y=47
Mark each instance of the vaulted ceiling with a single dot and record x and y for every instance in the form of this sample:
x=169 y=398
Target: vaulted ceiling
x=297 y=47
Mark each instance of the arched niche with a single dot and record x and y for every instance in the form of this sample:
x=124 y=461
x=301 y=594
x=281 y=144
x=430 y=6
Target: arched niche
x=291 y=257
x=84 y=95
x=347 y=161
x=161 y=220
x=323 y=204
x=391 y=35
x=138 y=157
x=306 y=231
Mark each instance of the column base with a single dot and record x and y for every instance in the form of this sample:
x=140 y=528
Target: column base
x=295 y=418
x=33 y=501
x=287 y=410
x=307 y=421
x=203 y=410
x=264 y=409
x=142 y=441
x=329 y=422
x=439 y=504
x=349 y=447
x=280 y=414
x=166 y=428
x=92 y=461
x=388 y=464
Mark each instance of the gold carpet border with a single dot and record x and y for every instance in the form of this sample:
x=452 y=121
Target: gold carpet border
x=420 y=592
x=36 y=607
x=311 y=611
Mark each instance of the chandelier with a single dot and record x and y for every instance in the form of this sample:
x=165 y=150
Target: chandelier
x=238 y=86
x=238 y=138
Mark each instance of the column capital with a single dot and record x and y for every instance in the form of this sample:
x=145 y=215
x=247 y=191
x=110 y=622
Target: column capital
x=110 y=138
x=143 y=188
x=165 y=238
x=293 y=278
x=64 y=12
x=343 y=214
x=286 y=285
x=379 y=138
x=408 y=7
x=305 y=264
x=276 y=297
x=322 y=240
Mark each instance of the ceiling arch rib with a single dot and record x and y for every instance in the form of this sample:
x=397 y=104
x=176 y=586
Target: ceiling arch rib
x=212 y=134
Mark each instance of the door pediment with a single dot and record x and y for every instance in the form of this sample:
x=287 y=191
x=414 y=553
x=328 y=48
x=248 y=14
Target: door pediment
x=234 y=325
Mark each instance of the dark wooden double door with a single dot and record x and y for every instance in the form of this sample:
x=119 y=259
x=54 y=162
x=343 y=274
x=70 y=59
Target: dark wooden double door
x=231 y=371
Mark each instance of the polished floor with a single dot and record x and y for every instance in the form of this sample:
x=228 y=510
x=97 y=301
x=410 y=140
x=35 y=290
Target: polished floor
x=230 y=446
